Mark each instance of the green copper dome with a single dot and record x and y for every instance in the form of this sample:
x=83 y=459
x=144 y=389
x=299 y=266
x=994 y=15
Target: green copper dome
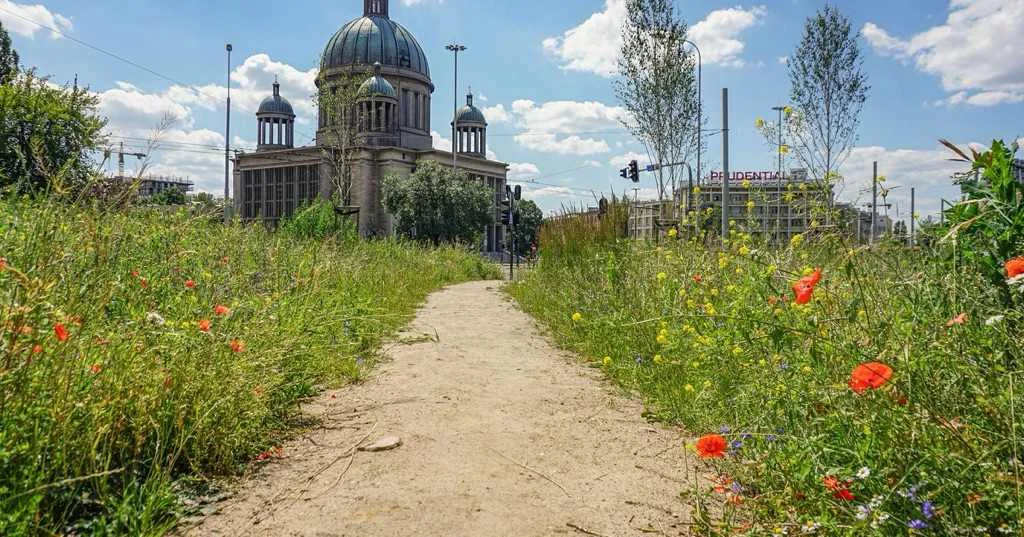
x=377 y=86
x=375 y=38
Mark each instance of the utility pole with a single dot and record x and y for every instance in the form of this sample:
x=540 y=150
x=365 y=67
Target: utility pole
x=874 y=202
x=912 y=213
x=227 y=142
x=456 y=49
x=725 y=164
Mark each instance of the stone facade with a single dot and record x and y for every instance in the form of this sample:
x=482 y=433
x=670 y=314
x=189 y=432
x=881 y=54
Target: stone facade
x=394 y=123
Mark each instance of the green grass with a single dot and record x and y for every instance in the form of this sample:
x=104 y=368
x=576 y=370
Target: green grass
x=96 y=431
x=730 y=354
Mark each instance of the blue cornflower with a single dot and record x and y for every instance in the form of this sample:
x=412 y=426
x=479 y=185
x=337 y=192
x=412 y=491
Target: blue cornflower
x=917 y=524
x=736 y=444
x=771 y=438
x=639 y=359
x=736 y=487
x=928 y=509
x=746 y=436
x=724 y=429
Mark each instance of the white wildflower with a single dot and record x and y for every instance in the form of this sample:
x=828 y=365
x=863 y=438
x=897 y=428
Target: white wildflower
x=994 y=320
x=155 y=318
x=863 y=473
x=1015 y=280
x=810 y=526
x=863 y=512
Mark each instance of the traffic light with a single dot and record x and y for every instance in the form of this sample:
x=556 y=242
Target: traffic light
x=624 y=173
x=506 y=212
x=634 y=171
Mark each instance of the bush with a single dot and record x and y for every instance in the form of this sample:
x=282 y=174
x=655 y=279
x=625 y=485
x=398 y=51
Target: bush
x=146 y=346
x=715 y=341
x=318 y=221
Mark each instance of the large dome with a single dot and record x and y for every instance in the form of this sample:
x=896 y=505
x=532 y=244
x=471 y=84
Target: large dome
x=367 y=40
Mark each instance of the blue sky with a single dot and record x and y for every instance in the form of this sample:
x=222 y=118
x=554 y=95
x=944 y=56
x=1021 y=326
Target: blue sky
x=541 y=69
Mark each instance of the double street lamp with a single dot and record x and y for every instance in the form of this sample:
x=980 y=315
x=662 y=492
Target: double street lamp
x=456 y=49
x=778 y=216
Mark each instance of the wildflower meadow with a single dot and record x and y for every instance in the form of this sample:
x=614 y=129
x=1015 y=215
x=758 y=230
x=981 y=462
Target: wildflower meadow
x=147 y=350
x=829 y=388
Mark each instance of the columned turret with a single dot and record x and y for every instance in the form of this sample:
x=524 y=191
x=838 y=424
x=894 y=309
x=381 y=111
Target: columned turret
x=377 y=110
x=275 y=122
x=375 y=8
x=470 y=130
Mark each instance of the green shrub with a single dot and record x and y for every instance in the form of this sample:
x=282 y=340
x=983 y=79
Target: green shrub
x=318 y=220
x=95 y=428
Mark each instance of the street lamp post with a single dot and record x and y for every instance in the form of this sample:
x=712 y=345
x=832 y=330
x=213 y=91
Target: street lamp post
x=456 y=49
x=227 y=141
x=778 y=216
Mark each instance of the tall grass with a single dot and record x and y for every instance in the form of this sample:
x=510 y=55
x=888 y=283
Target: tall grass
x=96 y=427
x=713 y=340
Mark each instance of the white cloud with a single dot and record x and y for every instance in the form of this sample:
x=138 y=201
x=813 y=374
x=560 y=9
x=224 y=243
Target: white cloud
x=784 y=60
x=14 y=15
x=418 y=2
x=129 y=108
x=440 y=142
x=973 y=52
x=593 y=164
x=563 y=127
x=717 y=35
x=622 y=161
x=496 y=114
x=928 y=170
x=520 y=170
x=593 y=46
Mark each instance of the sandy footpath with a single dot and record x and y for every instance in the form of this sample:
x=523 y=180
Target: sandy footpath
x=501 y=435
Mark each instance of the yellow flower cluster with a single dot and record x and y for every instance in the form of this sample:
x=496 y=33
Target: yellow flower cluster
x=662 y=338
x=577 y=317
x=672 y=233
x=662 y=276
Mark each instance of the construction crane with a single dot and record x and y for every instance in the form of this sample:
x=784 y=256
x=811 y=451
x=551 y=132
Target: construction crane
x=120 y=158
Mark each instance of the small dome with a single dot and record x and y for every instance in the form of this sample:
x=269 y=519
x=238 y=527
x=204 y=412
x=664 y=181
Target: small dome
x=275 y=104
x=470 y=113
x=377 y=86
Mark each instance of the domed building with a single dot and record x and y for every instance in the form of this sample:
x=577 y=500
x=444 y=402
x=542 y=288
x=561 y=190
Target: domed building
x=374 y=119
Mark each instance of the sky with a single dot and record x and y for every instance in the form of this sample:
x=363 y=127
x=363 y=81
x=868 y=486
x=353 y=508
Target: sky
x=542 y=71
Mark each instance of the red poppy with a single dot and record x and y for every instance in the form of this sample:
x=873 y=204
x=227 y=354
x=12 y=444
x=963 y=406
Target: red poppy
x=144 y=283
x=711 y=446
x=237 y=345
x=958 y=320
x=190 y=284
x=872 y=375
x=37 y=349
x=60 y=331
x=221 y=310
x=803 y=291
x=3 y=264
x=844 y=495
x=831 y=483
x=96 y=369
x=1015 y=267
x=698 y=278
x=813 y=279
x=204 y=325
x=135 y=274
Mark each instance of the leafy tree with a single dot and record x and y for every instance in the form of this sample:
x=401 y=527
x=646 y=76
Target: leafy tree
x=170 y=196
x=657 y=85
x=46 y=134
x=339 y=137
x=530 y=219
x=438 y=205
x=829 y=88
x=8 y=58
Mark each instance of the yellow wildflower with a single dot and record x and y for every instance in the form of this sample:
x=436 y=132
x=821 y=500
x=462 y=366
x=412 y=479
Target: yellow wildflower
x=751 y=205
x=739 y=270
x=682 y=291
x=759 y=123
x=736 y=351
x=607 y=361
x=658 y=359
x=662 y=276
x=714 y=292
x=672 y=233
x=745 y=183
x=577 y=317
x=797 y=240
x=806 y=369
x=709 y=308
x=688 y=387
x=744 y=251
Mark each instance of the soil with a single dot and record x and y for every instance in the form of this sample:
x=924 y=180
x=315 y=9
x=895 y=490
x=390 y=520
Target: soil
x=500 y=434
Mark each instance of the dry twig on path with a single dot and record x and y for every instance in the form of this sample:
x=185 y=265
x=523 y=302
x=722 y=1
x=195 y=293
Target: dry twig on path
x=534 y=470
x=584 y=530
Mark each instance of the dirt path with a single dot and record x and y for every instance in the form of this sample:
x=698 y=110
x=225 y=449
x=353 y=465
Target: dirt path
x=501 y=433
